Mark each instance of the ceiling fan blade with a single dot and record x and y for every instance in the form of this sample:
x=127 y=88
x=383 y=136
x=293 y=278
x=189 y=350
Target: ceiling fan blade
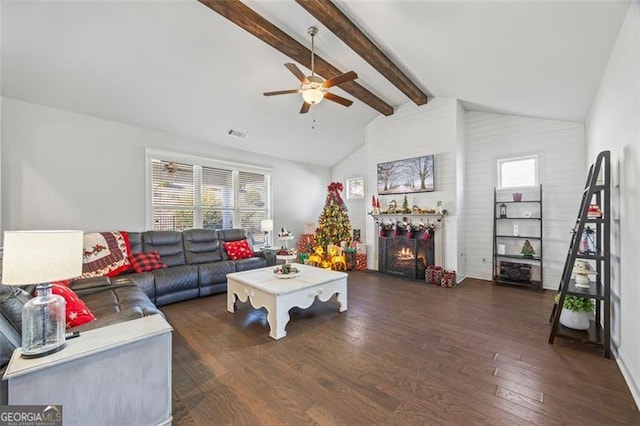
x=296 y=71
x=282 y=92
x=338 y=99
x=343 y=78
x=305 y=108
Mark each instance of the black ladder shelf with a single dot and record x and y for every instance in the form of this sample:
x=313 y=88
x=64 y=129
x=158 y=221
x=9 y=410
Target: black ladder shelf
x=597 y=190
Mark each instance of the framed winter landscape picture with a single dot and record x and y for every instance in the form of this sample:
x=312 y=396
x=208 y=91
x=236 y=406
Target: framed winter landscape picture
x=405 y=176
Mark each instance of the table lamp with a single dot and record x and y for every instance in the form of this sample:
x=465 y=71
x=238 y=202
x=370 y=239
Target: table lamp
x=39 y=257
x=266 y=226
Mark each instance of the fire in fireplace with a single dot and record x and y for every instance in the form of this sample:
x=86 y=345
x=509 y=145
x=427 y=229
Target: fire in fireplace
x=405 y=257
x=405 y=254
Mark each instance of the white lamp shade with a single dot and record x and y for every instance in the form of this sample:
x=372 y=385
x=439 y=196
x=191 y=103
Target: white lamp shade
x=312 y=96
x=36 y=257
x=266 y=225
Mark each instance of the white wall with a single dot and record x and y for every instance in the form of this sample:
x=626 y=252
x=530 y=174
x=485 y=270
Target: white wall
x=561 y=148
x=414 y=131
x=66 y=170
x=1 y=227
x=353 y=166
x=461 y=155
x=614 y=124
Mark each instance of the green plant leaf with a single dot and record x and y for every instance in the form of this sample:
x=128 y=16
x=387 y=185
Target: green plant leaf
x=577 y=304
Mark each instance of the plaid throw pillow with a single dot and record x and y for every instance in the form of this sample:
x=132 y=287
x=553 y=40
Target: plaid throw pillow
x=143 y=262
x=105 y=254
x=238 y=249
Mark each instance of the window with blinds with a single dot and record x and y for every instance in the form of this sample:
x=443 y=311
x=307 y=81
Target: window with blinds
x=199 y=196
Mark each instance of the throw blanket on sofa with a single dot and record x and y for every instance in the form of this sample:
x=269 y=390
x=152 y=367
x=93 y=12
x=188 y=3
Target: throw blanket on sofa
x=105 y=254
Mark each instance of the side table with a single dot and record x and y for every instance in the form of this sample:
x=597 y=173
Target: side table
x=114 y=375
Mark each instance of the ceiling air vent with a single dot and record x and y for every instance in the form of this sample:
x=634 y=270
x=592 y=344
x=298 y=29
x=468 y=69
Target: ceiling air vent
x=237 y=133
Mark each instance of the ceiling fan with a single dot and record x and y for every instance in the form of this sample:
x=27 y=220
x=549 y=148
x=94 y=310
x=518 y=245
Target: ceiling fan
x=314 y=88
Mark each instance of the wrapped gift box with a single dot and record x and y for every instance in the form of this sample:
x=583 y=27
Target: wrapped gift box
x=306 y=243
x=361 y=262
x=350 y=257
x=433 y=275
x=448 y=278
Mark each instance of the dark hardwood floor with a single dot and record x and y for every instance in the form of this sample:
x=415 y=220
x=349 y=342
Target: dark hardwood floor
x=404 y=353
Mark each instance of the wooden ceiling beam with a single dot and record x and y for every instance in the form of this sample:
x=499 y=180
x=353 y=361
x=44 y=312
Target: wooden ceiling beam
x=246 y=18
x=331 y=17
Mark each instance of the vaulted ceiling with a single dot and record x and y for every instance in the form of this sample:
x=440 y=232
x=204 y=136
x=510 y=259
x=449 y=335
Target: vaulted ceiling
x=179 y=67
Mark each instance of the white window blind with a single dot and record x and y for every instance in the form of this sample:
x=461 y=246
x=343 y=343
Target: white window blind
x=252 y=200
x=173 y=195
x=187 y=195
x=217 y=198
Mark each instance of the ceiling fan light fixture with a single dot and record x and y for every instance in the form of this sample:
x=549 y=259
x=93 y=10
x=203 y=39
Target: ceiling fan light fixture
x=314 y=88
x=313 y=91
x=313 y=96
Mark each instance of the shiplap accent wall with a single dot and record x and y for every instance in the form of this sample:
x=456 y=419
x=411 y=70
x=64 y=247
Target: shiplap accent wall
x=414 y=131
x=614 y=124
x=561 y=149
x=461 y=154
x=353 y=166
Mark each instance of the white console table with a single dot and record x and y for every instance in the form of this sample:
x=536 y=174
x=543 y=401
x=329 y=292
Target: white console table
x=115 y=375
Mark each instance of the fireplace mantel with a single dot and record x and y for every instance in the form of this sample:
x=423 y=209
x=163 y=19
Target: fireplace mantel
x=379 y=216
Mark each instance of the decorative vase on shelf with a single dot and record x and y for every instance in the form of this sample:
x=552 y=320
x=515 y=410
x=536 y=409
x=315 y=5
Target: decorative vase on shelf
x=517 y=196
x=574 y=320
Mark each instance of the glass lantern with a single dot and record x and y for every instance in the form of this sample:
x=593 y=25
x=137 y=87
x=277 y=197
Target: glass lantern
x=503 y=210
x=43 y=323
x=588 y=241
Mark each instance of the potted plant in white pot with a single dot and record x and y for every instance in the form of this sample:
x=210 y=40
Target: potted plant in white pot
x=576 y=311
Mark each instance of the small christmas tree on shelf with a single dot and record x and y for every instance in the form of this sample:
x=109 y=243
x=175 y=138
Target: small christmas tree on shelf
x=405 y=205
x=334 y=225
x=527 y=249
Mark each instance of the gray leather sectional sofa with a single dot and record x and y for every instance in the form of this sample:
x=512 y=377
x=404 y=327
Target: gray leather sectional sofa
x=197 y=263
x=197 y=266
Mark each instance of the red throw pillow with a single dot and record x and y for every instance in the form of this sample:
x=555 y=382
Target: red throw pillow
x=143 y=262
x=65 y=283
x=77 y=312
x=238 y=249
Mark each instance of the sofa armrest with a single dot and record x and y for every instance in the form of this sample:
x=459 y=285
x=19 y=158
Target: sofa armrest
x=90 y=283
x=268 y=255
x=115 y=318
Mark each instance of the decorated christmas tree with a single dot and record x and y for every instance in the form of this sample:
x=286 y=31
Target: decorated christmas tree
x=333 y=225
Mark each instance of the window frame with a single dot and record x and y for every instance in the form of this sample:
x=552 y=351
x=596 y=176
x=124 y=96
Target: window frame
x=199 y=162
x=512 y=158
x=350 y=183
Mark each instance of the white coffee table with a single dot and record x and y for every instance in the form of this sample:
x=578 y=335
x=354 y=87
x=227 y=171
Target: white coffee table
x=277 y=295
